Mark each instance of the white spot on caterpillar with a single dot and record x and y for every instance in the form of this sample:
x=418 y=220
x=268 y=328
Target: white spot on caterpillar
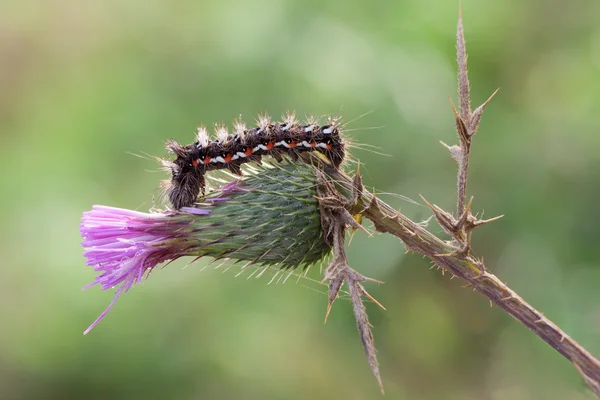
x=218 y=159
x=308 y=129
x=240 y=154
x=260 y=147
x=284 y=144
x=235 y=157
x=328 y=130
x=323 y=145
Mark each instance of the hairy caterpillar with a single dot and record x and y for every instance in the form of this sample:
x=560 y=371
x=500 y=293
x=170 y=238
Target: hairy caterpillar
x=230 y=151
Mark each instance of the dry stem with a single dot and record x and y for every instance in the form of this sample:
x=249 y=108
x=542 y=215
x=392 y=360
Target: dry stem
x=450 y=256
x=472 y=270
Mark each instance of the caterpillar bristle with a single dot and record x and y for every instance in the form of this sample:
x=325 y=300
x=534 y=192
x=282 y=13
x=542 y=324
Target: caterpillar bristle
x=174 y=147
x=169 y=166
x=240 y=128
x=221 y=133
x=289 y=119
x=312 y=120
x=165 y=186
x=334 y=120
x=202 y=136
x=263 y=121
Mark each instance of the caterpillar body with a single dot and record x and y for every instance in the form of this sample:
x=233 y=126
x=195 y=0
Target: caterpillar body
x=230 y=151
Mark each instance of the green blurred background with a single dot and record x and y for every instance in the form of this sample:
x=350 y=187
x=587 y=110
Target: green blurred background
x=83 y=84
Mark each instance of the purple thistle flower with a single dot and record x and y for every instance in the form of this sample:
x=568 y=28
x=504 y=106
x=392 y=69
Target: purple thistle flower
x=270 y=218
x=126 y=245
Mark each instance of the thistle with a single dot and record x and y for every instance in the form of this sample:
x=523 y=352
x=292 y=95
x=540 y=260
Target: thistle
x=271 y=217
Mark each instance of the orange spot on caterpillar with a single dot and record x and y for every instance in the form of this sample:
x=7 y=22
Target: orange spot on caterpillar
x=195 y=163
x=227 y=157
x=270 y=145
x=329 y=146
x=313 y=144
x=206 y=160
x=293 y=144
x=248 y=151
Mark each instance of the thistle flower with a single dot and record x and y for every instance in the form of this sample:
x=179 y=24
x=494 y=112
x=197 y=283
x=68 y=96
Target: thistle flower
x=269 y=217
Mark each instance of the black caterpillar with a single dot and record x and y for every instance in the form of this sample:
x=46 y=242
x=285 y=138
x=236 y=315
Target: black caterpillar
x=230 y=151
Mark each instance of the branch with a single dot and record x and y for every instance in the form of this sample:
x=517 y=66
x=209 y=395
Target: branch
x=467 y=121
x=472 y=270
x=455 y=256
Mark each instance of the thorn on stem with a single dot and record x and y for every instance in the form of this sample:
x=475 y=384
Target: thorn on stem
x=462 y=220
x=478 y=112
x=482 y=222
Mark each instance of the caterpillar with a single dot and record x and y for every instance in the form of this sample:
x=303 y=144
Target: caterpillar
x=230 y=151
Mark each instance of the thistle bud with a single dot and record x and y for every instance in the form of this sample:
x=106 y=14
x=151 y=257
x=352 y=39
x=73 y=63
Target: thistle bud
x=268 y=217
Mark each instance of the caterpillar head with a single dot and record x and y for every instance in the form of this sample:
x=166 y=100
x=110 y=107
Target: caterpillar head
x=186 y=179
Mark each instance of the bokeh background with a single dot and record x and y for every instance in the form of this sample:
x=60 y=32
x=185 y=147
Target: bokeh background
x=85 y=84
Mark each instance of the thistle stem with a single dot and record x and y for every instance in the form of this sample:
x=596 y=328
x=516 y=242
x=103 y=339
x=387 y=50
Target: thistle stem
x=472 y=270
x=463 y=174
